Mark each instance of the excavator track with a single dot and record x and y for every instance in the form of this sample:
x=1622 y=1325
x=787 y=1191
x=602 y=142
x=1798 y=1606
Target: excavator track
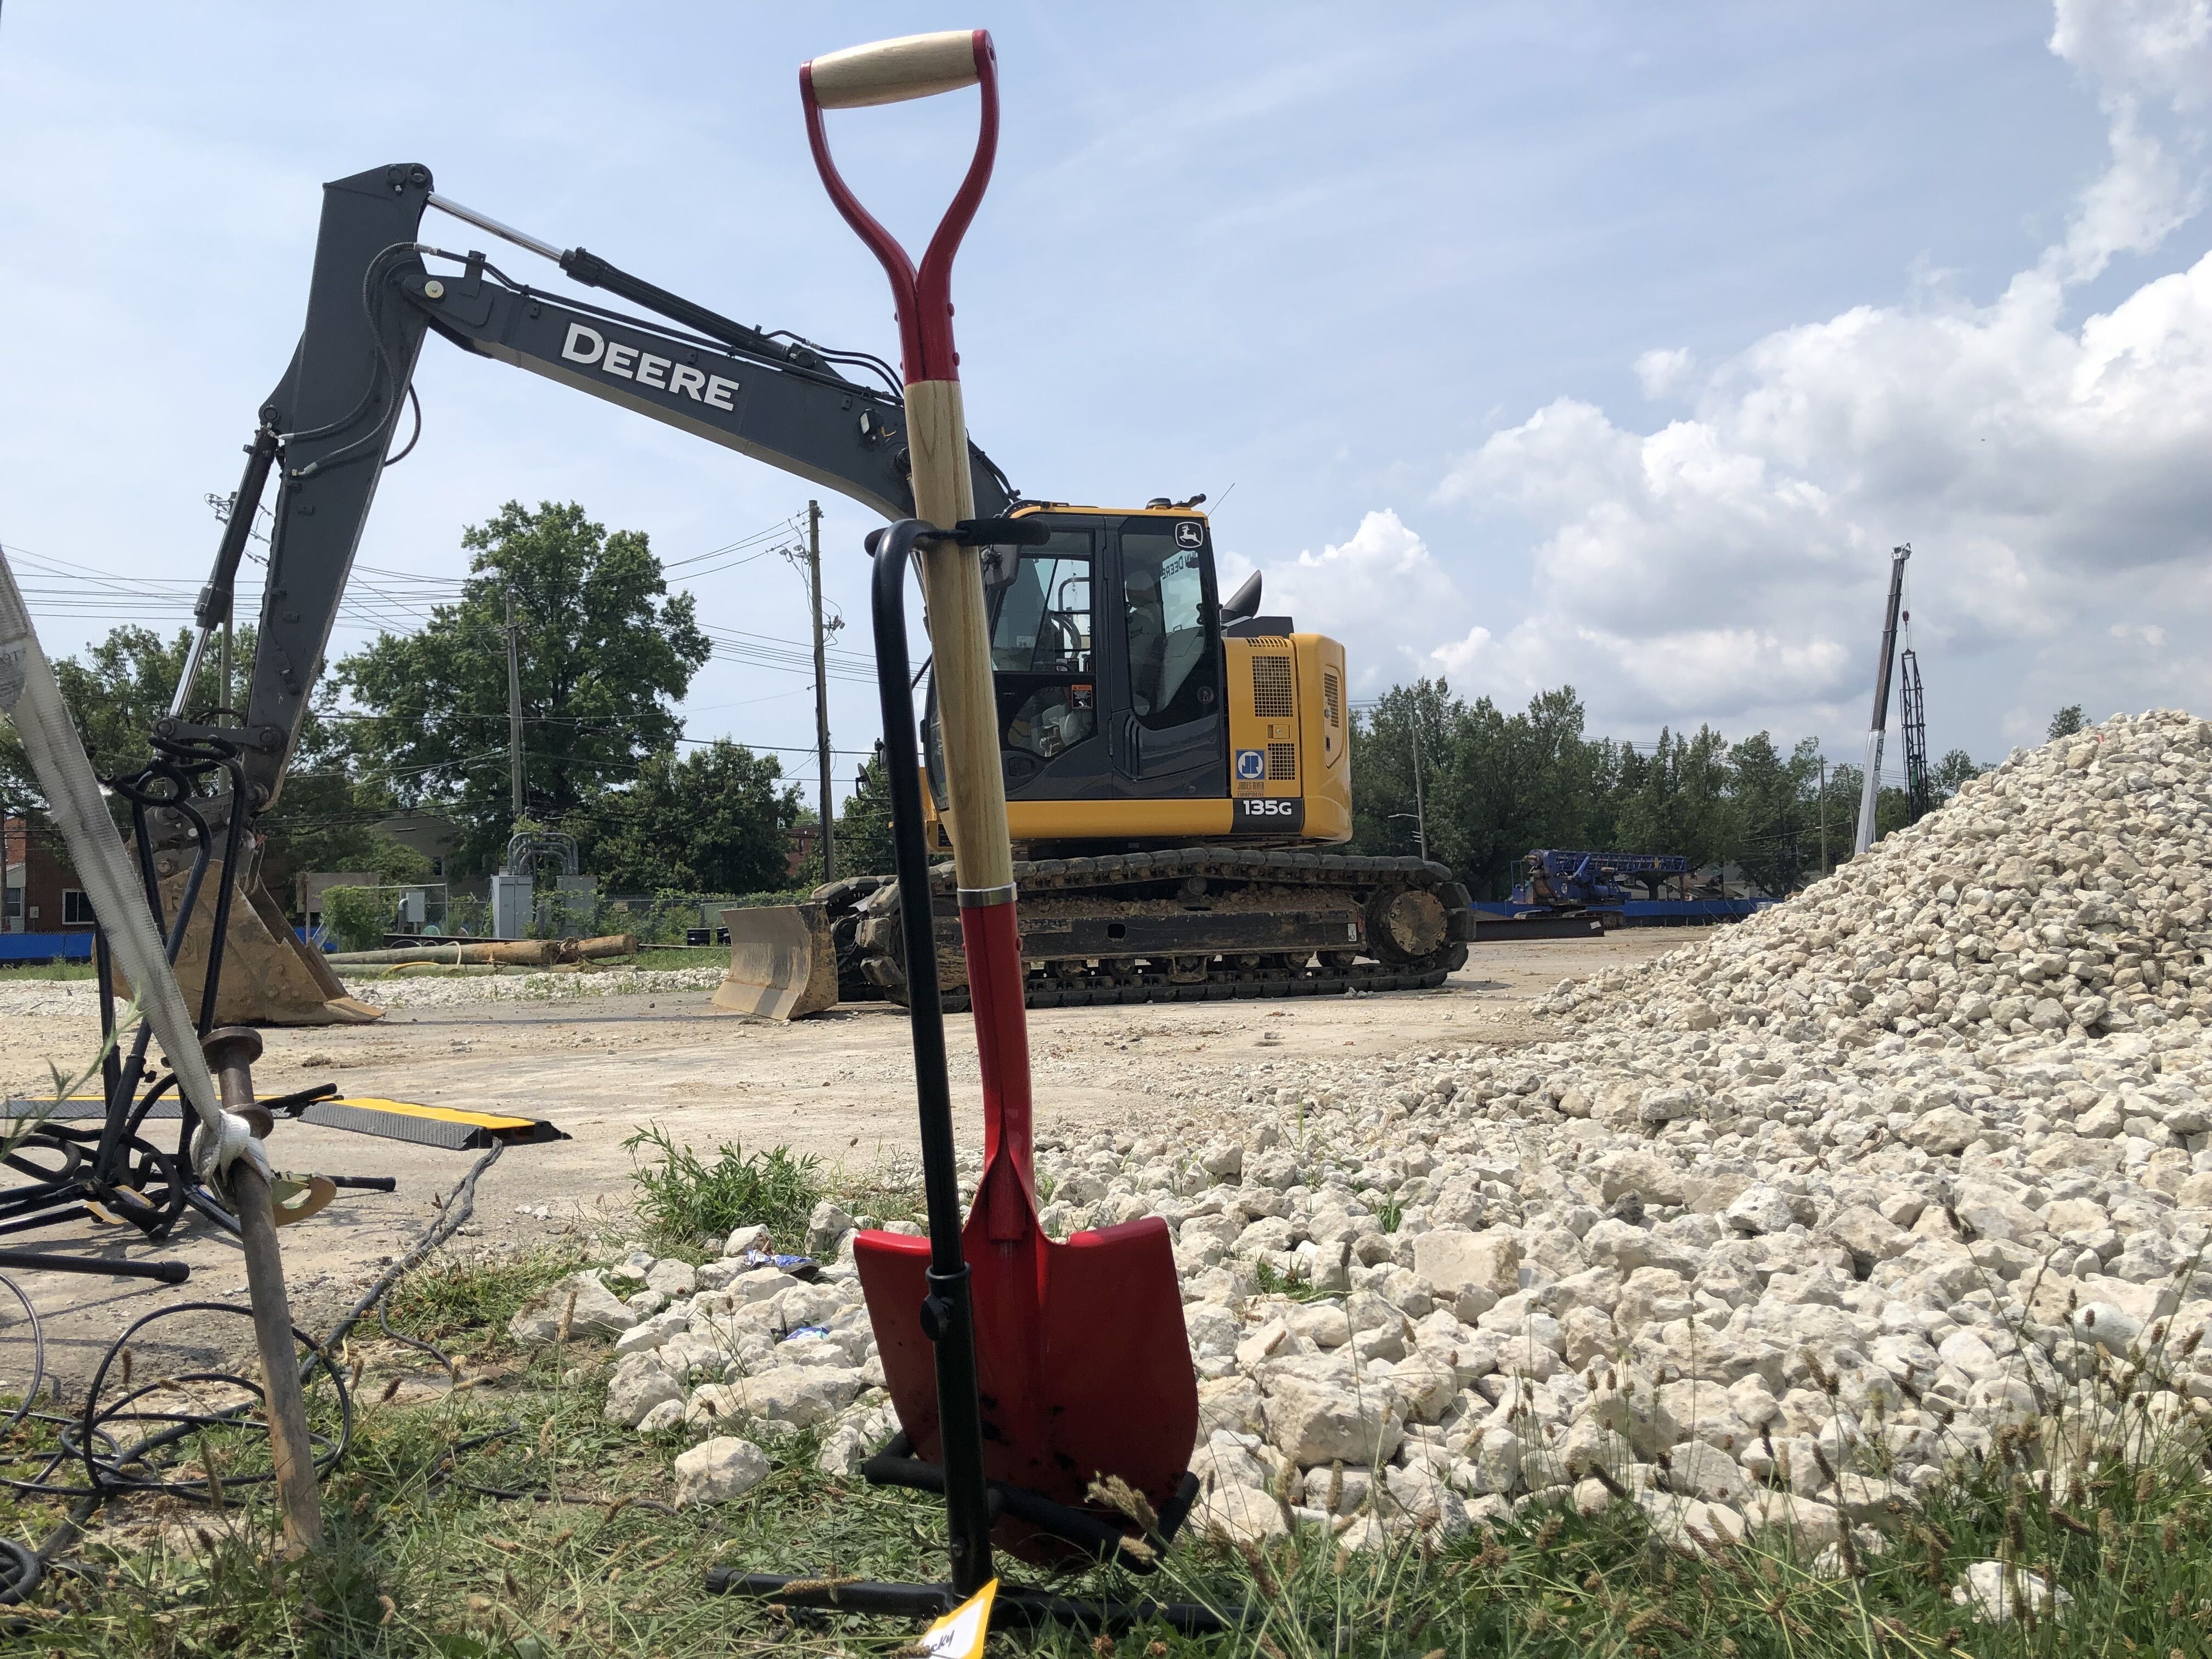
x=1197 y=924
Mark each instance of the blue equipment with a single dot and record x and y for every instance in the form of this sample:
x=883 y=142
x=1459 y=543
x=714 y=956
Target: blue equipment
x=1558 y=881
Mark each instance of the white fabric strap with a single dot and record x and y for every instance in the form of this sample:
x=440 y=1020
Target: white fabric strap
x=215 y=1149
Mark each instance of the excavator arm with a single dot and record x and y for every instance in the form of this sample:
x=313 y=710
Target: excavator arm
x=326 y=430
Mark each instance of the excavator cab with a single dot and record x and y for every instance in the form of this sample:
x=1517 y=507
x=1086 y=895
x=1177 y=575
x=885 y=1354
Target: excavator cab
x=1135 y=707
x=1106 y=646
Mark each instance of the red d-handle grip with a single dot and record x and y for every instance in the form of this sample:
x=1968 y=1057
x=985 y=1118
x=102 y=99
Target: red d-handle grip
x=888 y=71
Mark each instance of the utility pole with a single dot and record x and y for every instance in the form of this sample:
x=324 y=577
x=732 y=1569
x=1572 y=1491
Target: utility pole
x=1823 y=815
x=821 y=686
x=1870 y=786
x=1420 y=811
x=513 y=707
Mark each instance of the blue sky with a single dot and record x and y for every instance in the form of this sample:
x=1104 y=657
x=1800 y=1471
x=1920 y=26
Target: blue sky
x=1606 y=344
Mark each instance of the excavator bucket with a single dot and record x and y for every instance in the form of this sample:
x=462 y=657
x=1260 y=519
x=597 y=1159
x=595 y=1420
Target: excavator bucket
x=269 y=976
x=783 y=962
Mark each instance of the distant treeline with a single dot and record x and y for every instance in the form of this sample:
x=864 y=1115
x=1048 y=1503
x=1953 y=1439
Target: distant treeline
x=1494 y=786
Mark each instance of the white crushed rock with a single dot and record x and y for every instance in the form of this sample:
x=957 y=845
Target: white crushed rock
x=71 y=998
x=60 y=997
x=429 y=992
x=1785 y=1225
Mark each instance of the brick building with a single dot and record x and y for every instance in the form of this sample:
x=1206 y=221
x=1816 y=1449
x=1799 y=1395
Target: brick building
x=41 y=892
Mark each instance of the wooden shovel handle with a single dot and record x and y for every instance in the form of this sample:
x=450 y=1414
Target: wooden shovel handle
x=892 y=71
x=960 y=638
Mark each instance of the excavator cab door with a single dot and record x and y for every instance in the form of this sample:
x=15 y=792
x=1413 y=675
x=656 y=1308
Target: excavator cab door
x=1044 y=662
x=1171 y=728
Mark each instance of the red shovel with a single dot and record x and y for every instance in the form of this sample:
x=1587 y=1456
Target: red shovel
x=1082 y=1366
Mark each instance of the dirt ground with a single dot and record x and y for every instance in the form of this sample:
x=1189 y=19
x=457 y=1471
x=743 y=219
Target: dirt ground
x=601 y=1066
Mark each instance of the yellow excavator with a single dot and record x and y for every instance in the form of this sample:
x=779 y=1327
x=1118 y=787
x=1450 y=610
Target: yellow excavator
x=1175 y=761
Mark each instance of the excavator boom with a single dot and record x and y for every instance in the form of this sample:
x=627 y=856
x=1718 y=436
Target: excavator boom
x=326 y=430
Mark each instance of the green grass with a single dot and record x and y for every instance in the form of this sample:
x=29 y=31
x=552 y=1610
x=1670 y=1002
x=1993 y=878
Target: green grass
x=424 y=1560
x=447 y=1299
x=420 y=1562
x=1274 y=1281
x=683 y=1200
x=21 y=970
x=661 y=959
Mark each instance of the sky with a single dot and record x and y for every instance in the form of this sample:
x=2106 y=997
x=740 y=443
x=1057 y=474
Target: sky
x=1602 y=345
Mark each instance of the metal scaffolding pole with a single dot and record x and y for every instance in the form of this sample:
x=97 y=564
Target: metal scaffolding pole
x=1870 y=784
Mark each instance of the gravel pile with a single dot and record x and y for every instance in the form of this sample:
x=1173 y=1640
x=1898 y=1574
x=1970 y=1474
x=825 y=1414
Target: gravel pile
x=1784 y=1224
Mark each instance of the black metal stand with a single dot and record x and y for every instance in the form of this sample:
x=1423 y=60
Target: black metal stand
x=972 y=1503
x=116 y=1167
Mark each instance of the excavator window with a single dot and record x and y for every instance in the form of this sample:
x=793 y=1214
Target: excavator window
x=1040 y=653
x=1163 y=602
x=1044 y=620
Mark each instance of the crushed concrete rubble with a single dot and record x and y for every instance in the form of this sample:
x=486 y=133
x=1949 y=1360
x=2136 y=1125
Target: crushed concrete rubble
x=1782 y=1226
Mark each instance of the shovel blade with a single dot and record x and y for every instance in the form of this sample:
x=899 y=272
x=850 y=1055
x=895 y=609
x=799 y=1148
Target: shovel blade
x=783 y=963
x=1082 y=1359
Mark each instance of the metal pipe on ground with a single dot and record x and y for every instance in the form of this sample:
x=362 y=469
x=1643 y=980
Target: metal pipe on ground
x=511 y=953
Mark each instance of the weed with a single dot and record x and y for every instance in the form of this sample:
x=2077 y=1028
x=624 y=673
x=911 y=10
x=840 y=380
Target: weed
x=1391 y=1211
x=665 y=958
x=453 y=1299
x=1274 y=1281
x=888 y=1191
x=682 y=1200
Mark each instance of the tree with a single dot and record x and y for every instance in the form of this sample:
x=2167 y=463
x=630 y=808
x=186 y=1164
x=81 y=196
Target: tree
x=1954 y=771
x=2065 y=723
x=604 y=654
x=1893 y=809
x=1493 y=786
x=324 y=818
x=864 y=843
x=864 y=827
x=1679 y=799
x=114 y=696
x=717 y=820
x=1775 y=828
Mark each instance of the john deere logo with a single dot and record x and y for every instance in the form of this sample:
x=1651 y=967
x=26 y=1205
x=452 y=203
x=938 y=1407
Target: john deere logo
x=1190 y=534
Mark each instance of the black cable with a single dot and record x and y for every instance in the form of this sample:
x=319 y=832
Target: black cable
x=376 y=339
x=415 y=437
x=21 y=1569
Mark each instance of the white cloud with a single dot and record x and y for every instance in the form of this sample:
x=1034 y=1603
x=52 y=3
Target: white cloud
x=2053 y=474
x=1664 y=368
x=2149 y=60
x=1363 y=591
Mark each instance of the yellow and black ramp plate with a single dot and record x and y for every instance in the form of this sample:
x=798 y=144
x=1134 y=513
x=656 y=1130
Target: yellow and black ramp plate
x=455 y=1128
